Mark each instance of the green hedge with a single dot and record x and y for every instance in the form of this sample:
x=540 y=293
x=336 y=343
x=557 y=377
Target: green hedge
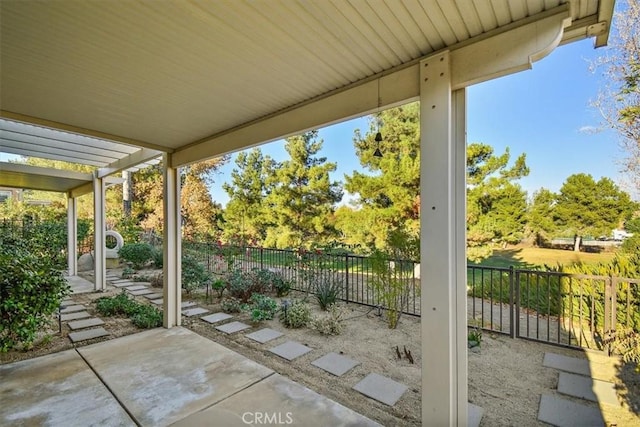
x=31 y=288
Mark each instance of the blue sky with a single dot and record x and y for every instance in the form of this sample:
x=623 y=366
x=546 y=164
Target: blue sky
x=544 y=112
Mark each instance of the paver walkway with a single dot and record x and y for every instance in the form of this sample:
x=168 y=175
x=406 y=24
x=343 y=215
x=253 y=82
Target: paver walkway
x=574 y=379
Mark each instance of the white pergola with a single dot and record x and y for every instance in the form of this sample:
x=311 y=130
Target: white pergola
x=117 y=84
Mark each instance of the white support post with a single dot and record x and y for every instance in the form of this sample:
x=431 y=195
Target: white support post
x=72 y=236
x=99 y=225
x=172 y=245
x=442 y=245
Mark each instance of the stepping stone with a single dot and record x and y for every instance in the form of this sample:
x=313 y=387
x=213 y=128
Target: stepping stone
x=74 y=316
x=335 y=364
x=565 y=413
x=567 y=364
x=85 y=323
x=67 y=302
x=87 y=335
x=587 y=388
x=122 y=281
x=135 y=288
x=474 y=415
x=158 y=301
x=143 y=283
x=187 y=304
x=290 y=350
x=153 y=296
x=381 y=388
x=216 y=317
x=190 y=312
x=264 y=335
x=232 y=327
x=73 y=308
x=123 y=284
x=144 y=291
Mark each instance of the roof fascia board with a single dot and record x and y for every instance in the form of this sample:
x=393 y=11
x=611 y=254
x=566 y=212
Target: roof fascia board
x=390 y=88
x=82 y=131
x=605 y=15
x=134 y=159
x=40 y=171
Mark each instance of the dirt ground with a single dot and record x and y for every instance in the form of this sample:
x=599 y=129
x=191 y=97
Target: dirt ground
x=506 y=376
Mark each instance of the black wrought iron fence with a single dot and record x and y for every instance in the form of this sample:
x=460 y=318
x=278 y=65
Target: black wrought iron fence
x=558 y=308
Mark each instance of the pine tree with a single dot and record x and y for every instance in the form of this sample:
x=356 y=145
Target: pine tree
x=302 y=196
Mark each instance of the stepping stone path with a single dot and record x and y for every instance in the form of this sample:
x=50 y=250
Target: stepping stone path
x=566 y=413
x=144 y=291
x=187 y=304
x=135 y=288
x=79 y=320
x=290 y=350
x=87 y=334
x=73 y=309
x=216 y=317
x=190 y=312
x=74 y=316
x=381 y=388
x=230 y=328
x=153 y=296
x=474 y=415
x=567 y=364
x=123 y=284
x=85 y=323
x=575 y=381
x=264 y=335
x=157 y=301
x=335 y=364
x=587 y=388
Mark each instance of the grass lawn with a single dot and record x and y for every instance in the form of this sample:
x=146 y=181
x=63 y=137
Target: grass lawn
x=526 y=257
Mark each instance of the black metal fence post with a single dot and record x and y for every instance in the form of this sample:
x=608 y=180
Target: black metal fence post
x=346 y=281
x=512 y=328
x=516 y=289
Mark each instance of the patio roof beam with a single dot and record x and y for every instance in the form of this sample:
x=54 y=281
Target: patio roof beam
x=81 y=131
x=129 y=161
x=511 y=48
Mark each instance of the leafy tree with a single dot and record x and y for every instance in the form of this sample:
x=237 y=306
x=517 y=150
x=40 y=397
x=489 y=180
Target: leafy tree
x=586 y=207
x=619 y=100
x=496 y=206
x=388 y=195
x=540 y=222
x=245 y=214
x=302 y=197
x=633 y=225
x=200 y=214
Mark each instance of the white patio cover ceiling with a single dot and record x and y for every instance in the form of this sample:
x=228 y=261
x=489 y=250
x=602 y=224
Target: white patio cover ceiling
x=166 y=75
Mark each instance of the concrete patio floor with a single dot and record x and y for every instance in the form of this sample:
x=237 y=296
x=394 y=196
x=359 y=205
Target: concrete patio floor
x=159 y=377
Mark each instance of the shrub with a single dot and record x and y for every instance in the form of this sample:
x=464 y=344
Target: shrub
x=118 y=305
x=264 y=307
x=271 y=280
x=392 y=286
x=474 y=337
x=231 y=305
x=158 y=258
x=127 y=272
x=219 y=286
x=147 y=317
x=329 y=323
x=31 y=288
x=295 y=315
x=138 y=254
x=327 y=290
x=194 y=275
x=243 y=284
x=142 y=315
